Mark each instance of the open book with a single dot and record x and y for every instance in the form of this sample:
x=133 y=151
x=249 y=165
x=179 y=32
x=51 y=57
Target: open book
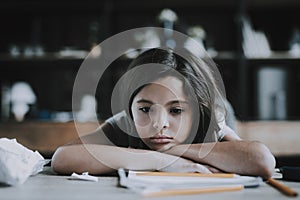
x=169 y=183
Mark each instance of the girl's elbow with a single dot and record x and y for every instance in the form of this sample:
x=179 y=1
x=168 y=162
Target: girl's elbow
x=265 y=161
x=59 y=161
x=267 y=167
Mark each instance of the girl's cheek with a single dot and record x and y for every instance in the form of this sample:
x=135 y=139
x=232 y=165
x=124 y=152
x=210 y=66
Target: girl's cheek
x=183 y=127
x=143 y=132
x=142 y=120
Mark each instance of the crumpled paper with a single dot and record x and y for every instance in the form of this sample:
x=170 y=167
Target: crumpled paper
x=17 y=162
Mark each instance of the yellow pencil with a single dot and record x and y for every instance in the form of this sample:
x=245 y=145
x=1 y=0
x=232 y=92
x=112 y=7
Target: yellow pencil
x=191 y=191
x=216 y=175
x=282 y=188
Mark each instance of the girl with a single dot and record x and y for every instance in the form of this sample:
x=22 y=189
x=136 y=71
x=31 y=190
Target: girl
x=169 y=116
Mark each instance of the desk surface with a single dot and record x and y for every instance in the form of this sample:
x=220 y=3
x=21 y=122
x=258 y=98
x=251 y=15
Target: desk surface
x=46 y=185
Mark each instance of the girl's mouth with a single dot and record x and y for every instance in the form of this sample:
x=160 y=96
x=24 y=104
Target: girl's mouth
x=160 y=139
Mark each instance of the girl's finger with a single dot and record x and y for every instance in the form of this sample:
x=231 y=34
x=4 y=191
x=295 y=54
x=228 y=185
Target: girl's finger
x=201 y=169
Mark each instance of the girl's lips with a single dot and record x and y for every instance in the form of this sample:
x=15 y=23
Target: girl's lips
x=160 y=139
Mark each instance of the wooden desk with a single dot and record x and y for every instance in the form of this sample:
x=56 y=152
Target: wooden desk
x=46 y=185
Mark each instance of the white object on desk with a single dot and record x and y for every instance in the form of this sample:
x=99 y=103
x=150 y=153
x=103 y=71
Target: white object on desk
x=84 y=176
x=17 y=162
x=190 y=183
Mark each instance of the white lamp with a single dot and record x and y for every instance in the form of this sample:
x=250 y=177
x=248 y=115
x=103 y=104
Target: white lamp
x=21 y=97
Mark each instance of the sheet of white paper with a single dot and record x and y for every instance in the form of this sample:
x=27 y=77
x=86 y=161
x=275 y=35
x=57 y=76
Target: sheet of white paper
x=247 y=181
x=142 y=184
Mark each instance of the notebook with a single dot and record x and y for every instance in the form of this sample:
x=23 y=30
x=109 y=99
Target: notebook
x=147 y=183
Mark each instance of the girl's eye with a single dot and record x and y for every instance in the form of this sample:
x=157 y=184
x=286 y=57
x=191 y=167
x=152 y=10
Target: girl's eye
x=176 y=110
x=145 y=109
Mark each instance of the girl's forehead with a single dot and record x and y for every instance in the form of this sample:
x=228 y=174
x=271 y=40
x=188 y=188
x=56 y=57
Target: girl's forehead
x=169 y=87
x=169 y=81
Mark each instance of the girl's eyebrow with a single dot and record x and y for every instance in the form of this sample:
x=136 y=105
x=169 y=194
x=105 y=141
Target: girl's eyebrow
x=145 y=101
x=177 y=102
x=169 y=103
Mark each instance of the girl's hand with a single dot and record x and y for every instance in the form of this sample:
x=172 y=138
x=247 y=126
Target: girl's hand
x=213 y=169
x=183 y=165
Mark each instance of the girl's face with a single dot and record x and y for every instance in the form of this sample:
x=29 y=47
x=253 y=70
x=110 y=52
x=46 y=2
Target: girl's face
x=162 y=114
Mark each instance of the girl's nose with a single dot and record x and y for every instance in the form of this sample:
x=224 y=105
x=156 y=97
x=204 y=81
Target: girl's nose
x=160 y=124
x=160 y=118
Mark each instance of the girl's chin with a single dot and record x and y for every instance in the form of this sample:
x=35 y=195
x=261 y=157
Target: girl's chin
x=162 y=147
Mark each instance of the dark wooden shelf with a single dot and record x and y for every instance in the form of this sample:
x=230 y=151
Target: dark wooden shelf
x=278 y=55
x=276 y=58
x=45 y=57
x=271 y=4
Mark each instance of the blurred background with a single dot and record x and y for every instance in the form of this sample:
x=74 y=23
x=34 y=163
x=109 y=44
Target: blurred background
x=255 y=44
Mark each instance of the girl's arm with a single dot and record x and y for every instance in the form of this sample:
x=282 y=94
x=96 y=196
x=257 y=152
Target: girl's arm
x=241 y=157
x=100 y=159
x=95 y=154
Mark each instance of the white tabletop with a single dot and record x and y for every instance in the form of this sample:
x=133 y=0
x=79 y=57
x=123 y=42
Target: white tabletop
x=47 y=185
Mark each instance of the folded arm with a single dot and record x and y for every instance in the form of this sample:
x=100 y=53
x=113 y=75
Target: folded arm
x=95 y=154
x=100 y=159
x=241 y=157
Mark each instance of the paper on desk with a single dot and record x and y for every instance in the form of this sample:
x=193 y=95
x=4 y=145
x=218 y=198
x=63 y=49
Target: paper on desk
x=84 y=176
x=145 y=184
x=17 y=162
x=247 y=181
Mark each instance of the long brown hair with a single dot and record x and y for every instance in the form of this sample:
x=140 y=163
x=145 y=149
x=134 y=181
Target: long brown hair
x=200 y=86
